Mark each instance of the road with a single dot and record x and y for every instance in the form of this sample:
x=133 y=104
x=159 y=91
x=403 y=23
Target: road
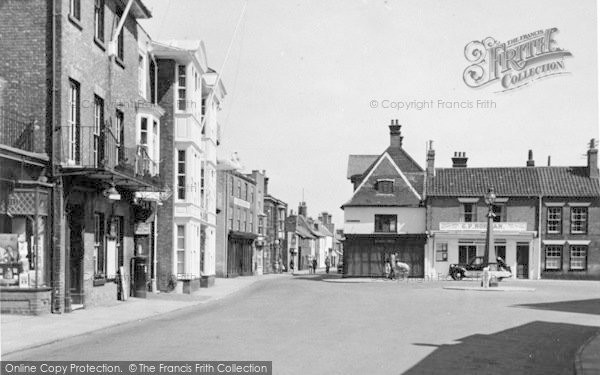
x=306 y=325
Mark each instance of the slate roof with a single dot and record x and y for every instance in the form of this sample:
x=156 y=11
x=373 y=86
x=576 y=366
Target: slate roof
x=303 y=228
x=513 y=181
x=358 y=164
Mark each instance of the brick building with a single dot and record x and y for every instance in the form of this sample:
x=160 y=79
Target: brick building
x=274 y=232
x=240 y=199
x=85 y=75
x=545 y=222
x=191 y=97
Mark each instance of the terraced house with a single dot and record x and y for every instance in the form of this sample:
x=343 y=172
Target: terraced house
x=546 y=222
x=84 y=75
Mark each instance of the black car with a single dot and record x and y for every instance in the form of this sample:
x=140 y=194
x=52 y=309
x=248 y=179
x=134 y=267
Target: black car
x=474 y=268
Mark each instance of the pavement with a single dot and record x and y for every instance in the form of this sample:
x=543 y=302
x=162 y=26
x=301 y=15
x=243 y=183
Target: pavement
x=22 y=332
x=530 y=333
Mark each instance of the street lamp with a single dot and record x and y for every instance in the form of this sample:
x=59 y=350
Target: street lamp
x=490 y=255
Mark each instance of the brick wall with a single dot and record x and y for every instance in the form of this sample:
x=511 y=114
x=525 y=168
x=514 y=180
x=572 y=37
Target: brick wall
x=25 y=38
x=25 y=301
x=166 y=78
x=592 y=235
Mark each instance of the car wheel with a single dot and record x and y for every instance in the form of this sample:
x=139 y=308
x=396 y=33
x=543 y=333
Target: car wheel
x=457 y=276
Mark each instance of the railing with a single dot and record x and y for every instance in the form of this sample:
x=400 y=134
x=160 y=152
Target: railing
x=16 y=130
x=90 y=147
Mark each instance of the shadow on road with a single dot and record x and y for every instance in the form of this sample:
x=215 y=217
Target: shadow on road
x=318 y=277
x=533 y=348
x=585 y=306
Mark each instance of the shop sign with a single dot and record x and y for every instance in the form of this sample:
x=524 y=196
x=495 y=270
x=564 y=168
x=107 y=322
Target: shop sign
x=142 y=229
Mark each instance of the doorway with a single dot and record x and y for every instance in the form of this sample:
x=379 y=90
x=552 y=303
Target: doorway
x=75 y=225
x=522 y=261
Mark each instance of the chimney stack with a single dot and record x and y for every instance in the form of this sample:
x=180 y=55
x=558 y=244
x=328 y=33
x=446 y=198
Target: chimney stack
x=302 y=209
x=266 y=190
x=459 y=160
x=530 y=161
x=430 y=160
x=592 y=156
x=548 y=160
x=395 y=135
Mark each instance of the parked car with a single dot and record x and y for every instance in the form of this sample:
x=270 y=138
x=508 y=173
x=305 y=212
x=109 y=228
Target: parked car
x=340 y=266
x=474 y=268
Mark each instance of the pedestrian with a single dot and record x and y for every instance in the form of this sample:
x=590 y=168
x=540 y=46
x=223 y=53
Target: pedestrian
x=327 y=264
x=392 y=274
x=388 y=268
x=314 y=264
x=292 y=265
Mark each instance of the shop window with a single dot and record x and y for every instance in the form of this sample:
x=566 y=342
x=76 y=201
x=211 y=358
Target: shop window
x=554 y=220
x=500 y=252
x=578 y=258
x=579 y=220
x=386 y=223
x=441 y=252
x=553 y=258
x=466 y=253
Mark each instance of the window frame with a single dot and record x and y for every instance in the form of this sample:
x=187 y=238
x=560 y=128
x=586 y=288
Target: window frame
x=75 y=9
x=581 y=258
x=99 y=20
x=391 y=225
x=119 y=136
x=583 y=220
x=74 y=121
x=441 y=252
x=121 y=37
x=180 y=251
x=99 y=253
x=552 y=211
x=385 y=186
x=472 y=213
x=181 y=174
x=181 y=92
x=554 y=249
x=97 y=130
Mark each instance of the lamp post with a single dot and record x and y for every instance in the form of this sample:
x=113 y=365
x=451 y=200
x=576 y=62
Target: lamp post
x=490 y=254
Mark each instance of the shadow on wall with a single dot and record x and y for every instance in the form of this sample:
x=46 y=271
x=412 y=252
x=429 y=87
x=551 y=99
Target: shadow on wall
x=532 y=348
x=585 y=306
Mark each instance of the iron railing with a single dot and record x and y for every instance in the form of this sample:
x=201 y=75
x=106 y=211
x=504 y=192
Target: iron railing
x=90 y=147
x=16 y=130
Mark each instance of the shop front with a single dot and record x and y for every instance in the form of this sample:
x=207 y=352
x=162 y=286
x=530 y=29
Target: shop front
x=459 y=242
x=25 y=282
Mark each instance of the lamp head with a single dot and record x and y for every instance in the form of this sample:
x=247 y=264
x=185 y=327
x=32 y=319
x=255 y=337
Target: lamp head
x=490 y=197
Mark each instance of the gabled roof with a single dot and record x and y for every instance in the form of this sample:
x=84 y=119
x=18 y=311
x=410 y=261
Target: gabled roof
x=358 y=164
x=513 y=181
x=303 y=229
x=407 y=191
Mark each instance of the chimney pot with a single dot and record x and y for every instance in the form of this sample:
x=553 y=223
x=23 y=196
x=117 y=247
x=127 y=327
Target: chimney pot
x=459 y=160
x=395 y=135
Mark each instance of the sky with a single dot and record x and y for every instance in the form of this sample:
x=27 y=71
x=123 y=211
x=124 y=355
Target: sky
x=302 y=77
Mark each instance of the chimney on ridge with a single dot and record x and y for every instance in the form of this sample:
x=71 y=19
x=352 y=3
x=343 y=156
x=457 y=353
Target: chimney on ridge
x=395 y=135
x=430 y=160
x=592 y=156
x=530 y=161
x=459 y=160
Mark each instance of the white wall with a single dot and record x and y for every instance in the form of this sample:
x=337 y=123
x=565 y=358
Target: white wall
x=361 y=220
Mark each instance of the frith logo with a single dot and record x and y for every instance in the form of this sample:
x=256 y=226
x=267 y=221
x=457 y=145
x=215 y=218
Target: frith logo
x=515 y=63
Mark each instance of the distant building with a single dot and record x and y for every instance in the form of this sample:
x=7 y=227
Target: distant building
x=386 y=213
x=275 y=249
x=301 y=240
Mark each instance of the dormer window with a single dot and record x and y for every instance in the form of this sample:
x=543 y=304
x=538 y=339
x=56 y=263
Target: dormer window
x=385 y=186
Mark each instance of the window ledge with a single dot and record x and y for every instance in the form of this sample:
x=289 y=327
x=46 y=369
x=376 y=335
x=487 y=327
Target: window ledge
x=75 y=22
x=100 y=43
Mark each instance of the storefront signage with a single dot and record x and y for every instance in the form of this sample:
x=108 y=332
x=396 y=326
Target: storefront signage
x=482 y=226
x=142 y=229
